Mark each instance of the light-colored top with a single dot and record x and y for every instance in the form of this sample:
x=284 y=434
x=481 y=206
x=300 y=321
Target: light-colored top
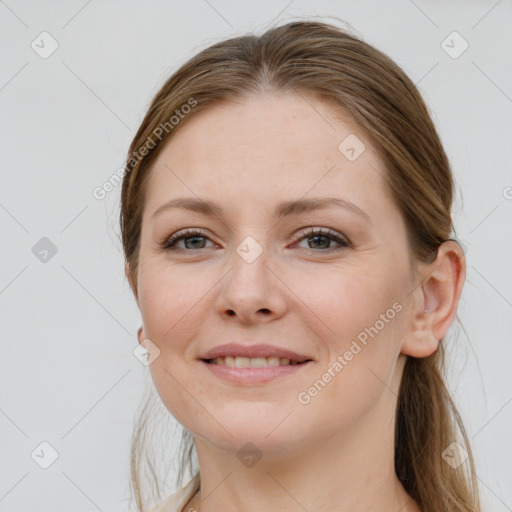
x=174 y=502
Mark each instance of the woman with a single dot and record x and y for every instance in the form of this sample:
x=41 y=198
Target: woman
x=287 y=233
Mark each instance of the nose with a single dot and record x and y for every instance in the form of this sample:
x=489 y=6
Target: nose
x=251 y=291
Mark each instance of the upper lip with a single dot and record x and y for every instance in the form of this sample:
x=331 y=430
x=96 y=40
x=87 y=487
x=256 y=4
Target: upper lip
x=259 y=350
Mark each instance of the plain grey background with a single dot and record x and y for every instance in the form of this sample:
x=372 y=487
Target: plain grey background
x=68 y=376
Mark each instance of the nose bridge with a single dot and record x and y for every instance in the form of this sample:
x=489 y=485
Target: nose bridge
x=250 y=250
x=249 y=263
x=250 y=285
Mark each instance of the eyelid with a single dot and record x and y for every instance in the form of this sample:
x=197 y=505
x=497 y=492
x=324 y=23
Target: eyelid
x=170 y=242
x=183 y=233
x=317 y=230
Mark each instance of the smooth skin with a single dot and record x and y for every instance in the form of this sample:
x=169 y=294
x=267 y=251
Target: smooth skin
x=304 y=292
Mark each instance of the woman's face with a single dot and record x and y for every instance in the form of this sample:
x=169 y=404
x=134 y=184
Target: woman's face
x=251 y=276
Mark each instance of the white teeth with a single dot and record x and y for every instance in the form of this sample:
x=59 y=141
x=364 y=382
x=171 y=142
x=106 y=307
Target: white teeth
x=242 y=362
x=253 y=362
x=258 y=362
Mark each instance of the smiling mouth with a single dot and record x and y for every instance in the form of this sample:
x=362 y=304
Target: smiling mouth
x=254 y=362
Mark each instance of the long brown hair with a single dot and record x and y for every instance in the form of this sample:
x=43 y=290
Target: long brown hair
x=336 y=65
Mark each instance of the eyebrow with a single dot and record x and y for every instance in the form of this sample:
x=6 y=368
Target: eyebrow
x=285 y=209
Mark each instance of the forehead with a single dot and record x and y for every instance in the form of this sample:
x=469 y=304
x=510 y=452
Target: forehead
x=266 y=127
x=266 y=147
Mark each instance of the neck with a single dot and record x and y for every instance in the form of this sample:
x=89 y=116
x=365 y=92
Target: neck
x=352 y=469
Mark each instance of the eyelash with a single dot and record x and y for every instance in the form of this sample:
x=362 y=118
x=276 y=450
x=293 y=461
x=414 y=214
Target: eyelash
x=170 y=243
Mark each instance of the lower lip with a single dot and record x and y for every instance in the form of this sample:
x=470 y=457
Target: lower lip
x=253 y=375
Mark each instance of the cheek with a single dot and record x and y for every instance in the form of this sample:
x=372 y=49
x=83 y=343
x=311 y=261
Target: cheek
x=361 y=321
x=345 y=300
x=361 y=356
x=168 y=301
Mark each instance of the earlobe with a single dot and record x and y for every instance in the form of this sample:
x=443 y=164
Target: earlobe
x=140 y=334
x=423 y=342
x=436 y=301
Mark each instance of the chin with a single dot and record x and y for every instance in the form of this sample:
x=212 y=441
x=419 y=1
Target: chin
x=271 y=430
x=272 y=446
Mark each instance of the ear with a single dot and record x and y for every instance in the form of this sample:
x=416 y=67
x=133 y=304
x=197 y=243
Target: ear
x=436 y=300
x=141 y=336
